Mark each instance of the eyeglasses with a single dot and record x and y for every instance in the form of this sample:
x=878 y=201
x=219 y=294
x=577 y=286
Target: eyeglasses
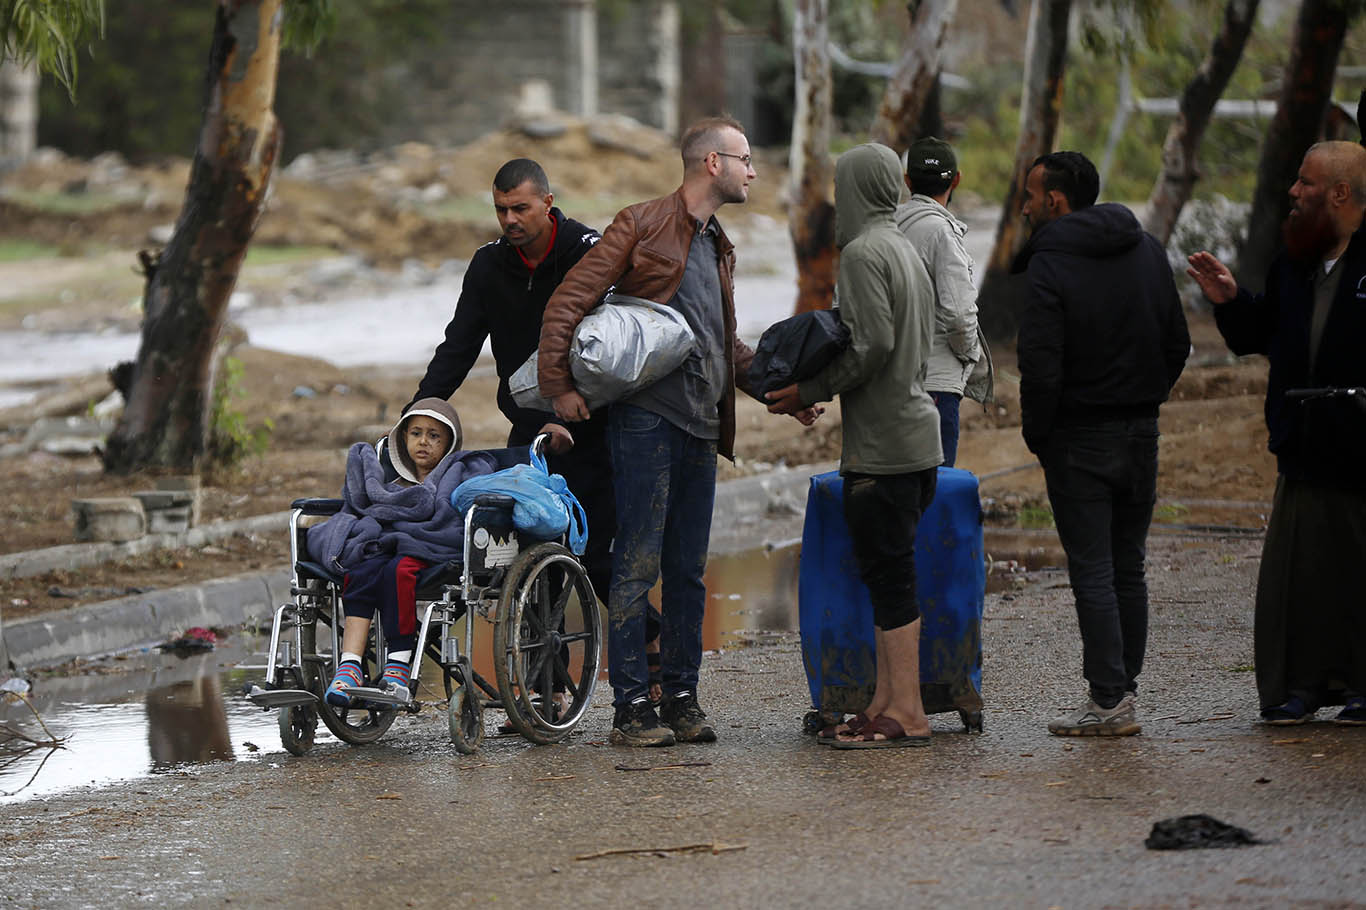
x=743 y=159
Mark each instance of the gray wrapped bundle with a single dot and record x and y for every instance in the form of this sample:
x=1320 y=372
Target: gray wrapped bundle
x=620 y=347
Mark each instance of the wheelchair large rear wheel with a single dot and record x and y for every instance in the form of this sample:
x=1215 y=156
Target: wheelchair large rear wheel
x=546 y=640
x=359 y=724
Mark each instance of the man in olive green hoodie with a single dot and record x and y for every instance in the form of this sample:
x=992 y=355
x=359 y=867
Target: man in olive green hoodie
x=891 y=446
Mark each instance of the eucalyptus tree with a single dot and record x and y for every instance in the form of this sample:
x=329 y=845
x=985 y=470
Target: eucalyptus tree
x=1180 y=166
x=168 y=397
x=811 y=218
x=1306 y=92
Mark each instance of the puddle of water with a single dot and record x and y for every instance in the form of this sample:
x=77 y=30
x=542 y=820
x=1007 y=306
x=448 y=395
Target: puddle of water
x=169 y=715
x=750 y=594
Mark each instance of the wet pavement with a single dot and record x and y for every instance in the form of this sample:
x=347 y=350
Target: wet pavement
x=142 y=713
x=766 y=817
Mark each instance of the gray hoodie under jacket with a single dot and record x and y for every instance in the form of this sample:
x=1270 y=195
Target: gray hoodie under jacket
x=960 y=361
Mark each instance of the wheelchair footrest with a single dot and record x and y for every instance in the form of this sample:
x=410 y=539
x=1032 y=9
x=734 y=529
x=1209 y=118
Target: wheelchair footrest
x=379 y=696
x=281 y=698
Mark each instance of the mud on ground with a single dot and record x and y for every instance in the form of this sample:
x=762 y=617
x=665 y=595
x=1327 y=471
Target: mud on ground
x=419 y=202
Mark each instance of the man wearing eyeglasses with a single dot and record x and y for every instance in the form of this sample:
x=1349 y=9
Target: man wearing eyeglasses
x=664 y=439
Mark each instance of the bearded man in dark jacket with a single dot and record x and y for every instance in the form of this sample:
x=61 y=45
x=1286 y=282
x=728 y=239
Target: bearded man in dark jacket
x=1310 y=322
x=1102 y=341
x=503 y=298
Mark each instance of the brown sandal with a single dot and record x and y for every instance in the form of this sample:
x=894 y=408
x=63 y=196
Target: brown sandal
x=852 y=727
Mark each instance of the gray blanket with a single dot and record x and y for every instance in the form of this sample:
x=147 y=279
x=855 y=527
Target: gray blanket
x=379 y=518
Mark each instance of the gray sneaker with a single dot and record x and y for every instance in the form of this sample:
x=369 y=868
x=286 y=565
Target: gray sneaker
x=1093 y=720
x=687 y=719
x=638 y=725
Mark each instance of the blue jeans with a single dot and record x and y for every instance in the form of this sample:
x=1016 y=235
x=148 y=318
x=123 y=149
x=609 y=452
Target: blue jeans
x=947 y=405
x=1102 y=483
x=665 y=485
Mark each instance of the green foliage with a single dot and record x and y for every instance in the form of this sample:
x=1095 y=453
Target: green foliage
x=50 y=33
x=307 y=23
x=1033 y=517
x=24 y=250
x=230 y=439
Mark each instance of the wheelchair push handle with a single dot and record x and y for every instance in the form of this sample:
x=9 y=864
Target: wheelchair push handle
x=1299 y=395
x=539 y=444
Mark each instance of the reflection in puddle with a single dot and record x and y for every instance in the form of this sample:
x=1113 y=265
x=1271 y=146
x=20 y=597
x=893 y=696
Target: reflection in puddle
x=127 y=725
x=187 y=722
x=749 y=594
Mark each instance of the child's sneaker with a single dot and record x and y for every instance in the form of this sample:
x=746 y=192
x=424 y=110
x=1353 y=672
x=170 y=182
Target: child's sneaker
x=396 y=680
x=348 y=677
x=1093 y=720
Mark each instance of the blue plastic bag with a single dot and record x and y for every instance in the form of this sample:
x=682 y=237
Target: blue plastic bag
x=545 y=507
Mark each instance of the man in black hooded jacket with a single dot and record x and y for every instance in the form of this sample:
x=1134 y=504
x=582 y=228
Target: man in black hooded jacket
x=1102 y=340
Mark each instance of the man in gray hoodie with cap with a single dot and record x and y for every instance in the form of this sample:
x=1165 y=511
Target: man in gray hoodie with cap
x=891 y=447
x=959 y=364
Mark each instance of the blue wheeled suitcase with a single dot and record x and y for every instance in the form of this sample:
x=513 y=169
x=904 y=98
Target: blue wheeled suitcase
x=836 y=615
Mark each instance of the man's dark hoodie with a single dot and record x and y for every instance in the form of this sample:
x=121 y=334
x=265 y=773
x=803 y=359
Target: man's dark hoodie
x=1102 y=333
x=503 y=300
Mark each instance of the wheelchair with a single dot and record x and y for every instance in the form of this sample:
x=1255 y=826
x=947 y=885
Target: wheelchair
x=547 y=635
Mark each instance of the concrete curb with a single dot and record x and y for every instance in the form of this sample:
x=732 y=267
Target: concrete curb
x=80 y=555
x=143 y=619
x=747 y=513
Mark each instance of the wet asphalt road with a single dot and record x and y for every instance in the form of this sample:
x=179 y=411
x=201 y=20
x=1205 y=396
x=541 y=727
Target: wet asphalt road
x=1013 y=817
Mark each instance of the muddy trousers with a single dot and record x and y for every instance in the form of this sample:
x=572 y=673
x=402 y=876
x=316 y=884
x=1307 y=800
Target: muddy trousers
x=1102 y=483
x=665 y=485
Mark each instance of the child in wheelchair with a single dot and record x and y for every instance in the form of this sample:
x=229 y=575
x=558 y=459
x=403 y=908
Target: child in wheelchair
x=389 y=529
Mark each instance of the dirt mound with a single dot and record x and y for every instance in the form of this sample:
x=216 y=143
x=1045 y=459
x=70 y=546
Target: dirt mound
x=412 y=201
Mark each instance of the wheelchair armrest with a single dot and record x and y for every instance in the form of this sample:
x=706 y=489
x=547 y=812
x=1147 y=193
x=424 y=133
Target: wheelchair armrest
x=495 y=500
x=317 y=506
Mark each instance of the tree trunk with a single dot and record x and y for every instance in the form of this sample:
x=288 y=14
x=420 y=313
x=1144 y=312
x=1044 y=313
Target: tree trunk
x=165 y=420
x=1040 y=113
x=1176 y=182
x=812 y=218
x=1306 y=90
x=18 y=112
x=898 y=119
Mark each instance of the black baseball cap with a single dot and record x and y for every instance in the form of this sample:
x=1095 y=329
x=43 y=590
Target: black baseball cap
x=931 y=157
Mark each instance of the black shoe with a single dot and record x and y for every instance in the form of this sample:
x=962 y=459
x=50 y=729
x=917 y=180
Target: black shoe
x=638 y=725
x=687 y=719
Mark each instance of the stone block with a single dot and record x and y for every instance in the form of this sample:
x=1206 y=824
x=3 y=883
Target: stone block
x=115 y=518
x=174 y=520
x=187 y=484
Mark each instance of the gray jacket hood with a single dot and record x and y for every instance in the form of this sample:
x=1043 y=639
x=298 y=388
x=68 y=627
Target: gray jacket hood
x=919 y=207
x=869 y=181
x=435 y=408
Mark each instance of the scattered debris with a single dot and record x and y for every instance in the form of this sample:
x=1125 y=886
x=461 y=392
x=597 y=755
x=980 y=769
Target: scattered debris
x=1188 y=832
x=712 y=848
x=15 y=743
x=195 y=641
x=676 y=767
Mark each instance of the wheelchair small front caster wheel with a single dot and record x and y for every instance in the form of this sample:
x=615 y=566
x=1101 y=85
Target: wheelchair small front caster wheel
x=466 y=719
x=298 y=726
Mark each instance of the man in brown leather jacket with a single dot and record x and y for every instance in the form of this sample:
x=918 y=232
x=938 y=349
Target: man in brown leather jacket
x=664 y=440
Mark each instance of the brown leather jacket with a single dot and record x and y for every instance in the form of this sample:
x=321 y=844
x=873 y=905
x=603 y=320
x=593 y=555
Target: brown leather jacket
x=642 y=253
